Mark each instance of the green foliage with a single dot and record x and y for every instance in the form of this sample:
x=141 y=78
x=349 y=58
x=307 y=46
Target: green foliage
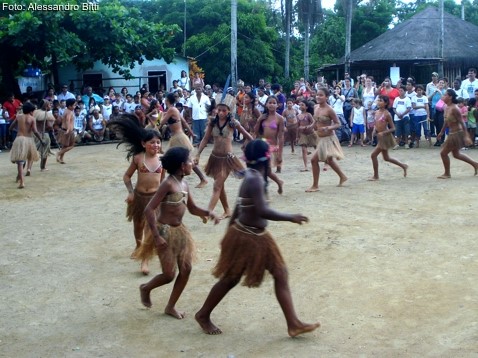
x=114 y=34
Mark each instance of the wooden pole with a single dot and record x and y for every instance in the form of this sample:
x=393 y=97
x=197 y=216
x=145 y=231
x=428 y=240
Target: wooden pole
x=233 y=44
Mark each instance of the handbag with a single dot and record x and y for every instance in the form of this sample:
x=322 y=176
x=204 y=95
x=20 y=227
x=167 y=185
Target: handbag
x=440 y=105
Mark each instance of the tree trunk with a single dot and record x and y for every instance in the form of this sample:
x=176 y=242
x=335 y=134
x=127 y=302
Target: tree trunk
x=306 y=45
x=288 y=16
x=234 y=44
x=348 y=33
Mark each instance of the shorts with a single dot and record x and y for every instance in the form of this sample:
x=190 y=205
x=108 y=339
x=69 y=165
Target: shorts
x=402 y=127
x=358 y=129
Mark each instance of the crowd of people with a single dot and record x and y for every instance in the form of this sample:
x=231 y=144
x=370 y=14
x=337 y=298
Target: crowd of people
x=264 y=119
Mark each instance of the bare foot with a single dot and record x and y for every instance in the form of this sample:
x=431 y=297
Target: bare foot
x=44 y=169
x=405 y=167
x=174 y=312
x=226 y=215
x=144 y=267
x=280 y=190
x=372 y=179
x=17 y=179
x=145 y=298
x=21 y=186
x=28 y=173
x=133 y=254
x=304 y=170
x=204 y=219
x=312 y=189
x=444 y=176
x=342 y=180
x=207 y=326
x=476 y=170
x=303 y=328
x=278 y=170
x=202 y=184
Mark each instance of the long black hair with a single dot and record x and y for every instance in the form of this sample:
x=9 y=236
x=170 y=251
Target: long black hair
x=266 y=113
x=132 y=135
x=258 y=156
x=174 y=158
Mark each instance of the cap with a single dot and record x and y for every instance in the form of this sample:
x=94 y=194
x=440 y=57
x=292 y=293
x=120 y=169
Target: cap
x=435 y=74
x=207 y=87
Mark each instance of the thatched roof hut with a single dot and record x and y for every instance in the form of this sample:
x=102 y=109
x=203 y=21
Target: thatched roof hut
x=414 y=46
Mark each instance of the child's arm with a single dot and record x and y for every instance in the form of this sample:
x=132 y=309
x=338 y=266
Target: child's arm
x=197 y=211
x=203 y=143
x=280 y=137
x=127 y=180
x=241 y=129
x=351 y=119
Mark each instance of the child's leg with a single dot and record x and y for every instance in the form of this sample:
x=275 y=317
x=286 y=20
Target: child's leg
x=335 y=167
x=29 y=167
x=20 y=177
x=217 y=293
x=314 y=162
x=374 y=157
x=352 y=140
x=362 y=135
x=217 y=193
x=446 y=164
x=275 y=178
x=387 y=158
x=138 y=229
x=201 y=176
x=304 y=157
x=168 y=267
x=463 y=157
x=225 y=204
x=179 y=285
x=283 y=294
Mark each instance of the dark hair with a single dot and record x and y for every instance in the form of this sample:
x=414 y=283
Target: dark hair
x=257 y=156
x=384 y=98
x=275 y=87
x=28 y=108
x=152 y=105
x=252 y=96
x=210 y=108
x=452 y=94
x=127 y=127
x=326 y=90
x=471 y=102
x=170 y=98
x=174 y=158
x=266 y=112
x=70 y=102
x=309 y=106
x=419 y=87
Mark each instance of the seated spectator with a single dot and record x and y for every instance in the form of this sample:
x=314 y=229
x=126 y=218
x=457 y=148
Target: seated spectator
x=50 y=95
x=65 y=94
x=79 y=125
x=92 y=106
x=97 y=125
x=129 y=105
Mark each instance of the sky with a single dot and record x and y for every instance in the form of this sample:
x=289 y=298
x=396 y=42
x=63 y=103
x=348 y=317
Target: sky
x=329 y=4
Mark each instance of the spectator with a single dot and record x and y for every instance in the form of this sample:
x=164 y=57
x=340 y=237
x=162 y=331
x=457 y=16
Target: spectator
x=471 y=83
x=199 y=103
x=460 y=92
x=79 y=125
x=65 y=94
x=89 y=94
x=129 y=105
x=106 y=109
x=97 y=125
x=184 y=81
x=198 y=81
x=281 y=100
x=349 y=93
x=386 y=89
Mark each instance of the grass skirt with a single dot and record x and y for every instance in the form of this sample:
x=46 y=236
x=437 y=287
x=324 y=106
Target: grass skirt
x=23 y=149
x=180 y=140
x=244 y=252
x=180 y=243
x=309 y=140
x=135 y=210
x=43 y=150
x=66 y=140
x=386 y=142
x=454 y=141
x=223 y=165
x=329 y=147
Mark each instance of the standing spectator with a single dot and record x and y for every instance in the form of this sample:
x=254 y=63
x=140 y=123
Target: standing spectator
x=89 y=94
x=65 y=94
x=261 y=99
x=347 y=77
x=460 y=92
x=199 y=103
x=402 y=107
x=184 y=81
x=106 y=109
x=386 y=89
x=11 y=106
x=421 y=116
x=410 y=93
x=471 y=83
x=281 y=100
x=3 y=128
x=437 y=111
x=50 y=95
x=349 y=93
x=429 y=91
x=336 y=101
x=198 y=81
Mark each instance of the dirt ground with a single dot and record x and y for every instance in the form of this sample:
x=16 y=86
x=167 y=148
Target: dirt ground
x=389 y=268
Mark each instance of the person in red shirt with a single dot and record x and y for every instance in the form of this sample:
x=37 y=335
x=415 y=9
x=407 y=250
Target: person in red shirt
x=386 y=89
x=11 y=105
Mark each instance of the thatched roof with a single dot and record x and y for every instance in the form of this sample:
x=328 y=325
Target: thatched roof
x=418 y=39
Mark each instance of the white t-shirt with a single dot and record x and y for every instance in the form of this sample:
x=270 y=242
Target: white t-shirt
x=463 y=93
x=420 y=102
x=198 y=108
x=358 y=115
x=470 y=87
x=78 y=122
x=337 y=104
x=400 y=105
x=97 y=123
x=129 y=107
x=107 y=110
x=411 y=95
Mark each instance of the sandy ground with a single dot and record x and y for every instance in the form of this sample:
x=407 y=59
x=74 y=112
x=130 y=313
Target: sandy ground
x=389 y=268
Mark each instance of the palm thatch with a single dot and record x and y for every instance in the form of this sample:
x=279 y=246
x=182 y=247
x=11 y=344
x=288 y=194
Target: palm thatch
x=418 y=40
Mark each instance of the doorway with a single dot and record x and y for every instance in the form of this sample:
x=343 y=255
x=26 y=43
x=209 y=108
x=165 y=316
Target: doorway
x=156 y=81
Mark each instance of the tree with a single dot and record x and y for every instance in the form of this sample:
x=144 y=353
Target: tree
x=114 y=34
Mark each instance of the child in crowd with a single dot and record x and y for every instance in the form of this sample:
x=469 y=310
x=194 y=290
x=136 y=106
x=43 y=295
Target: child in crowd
x=23 y=147
x=370 y=122
x=3 y=127
x=401 y=108
x=421 y=118
x=472 y=118
x=248 y=249
x=168 y=236
x=384 y=128
x=143 y=146
x=270 y=126
x=357 y=122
